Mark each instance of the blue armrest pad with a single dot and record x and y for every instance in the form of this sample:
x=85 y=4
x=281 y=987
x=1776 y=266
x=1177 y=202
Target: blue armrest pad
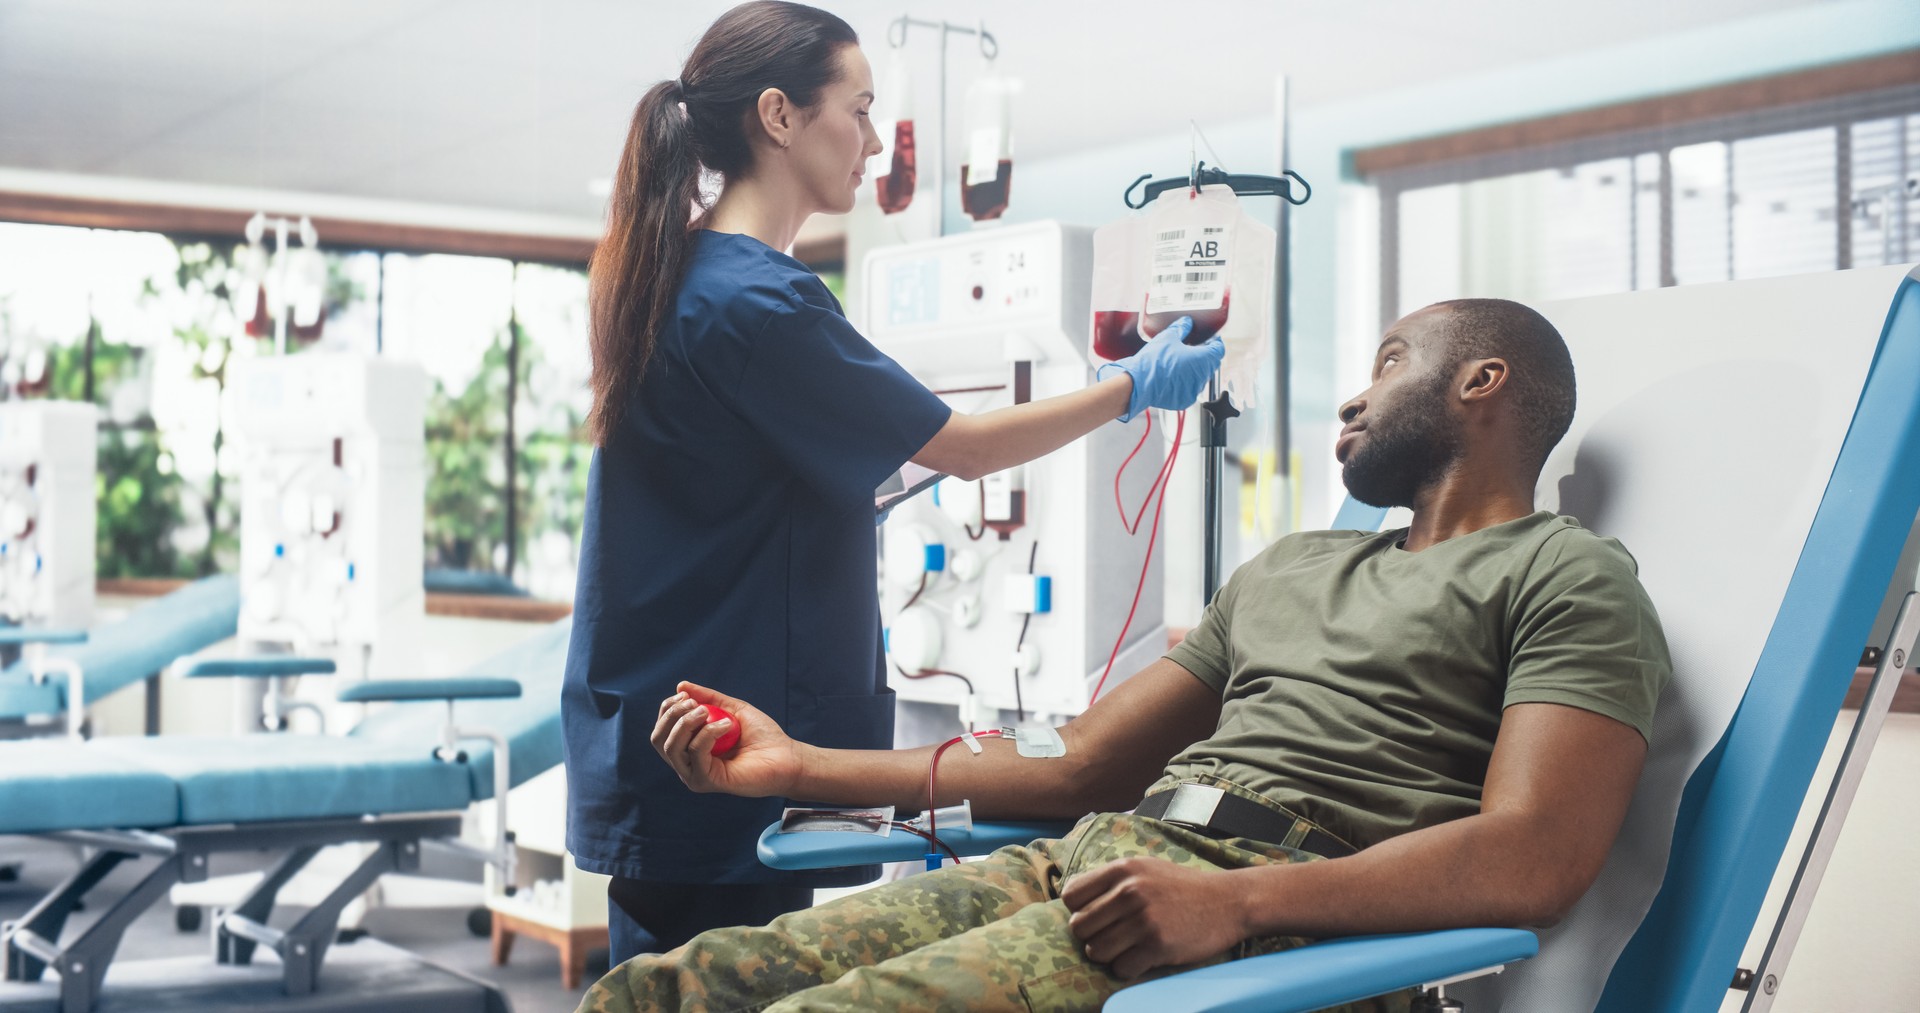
x=18 y=635
x=1326 y=974
x=832 y=849
x=267 y=667
x=431 y=689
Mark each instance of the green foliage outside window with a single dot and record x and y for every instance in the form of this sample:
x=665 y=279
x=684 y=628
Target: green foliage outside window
x=137 y=490
x=466 y=477
x=466 y=468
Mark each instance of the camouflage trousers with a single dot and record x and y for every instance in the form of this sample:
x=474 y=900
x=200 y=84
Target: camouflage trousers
x=986 y=935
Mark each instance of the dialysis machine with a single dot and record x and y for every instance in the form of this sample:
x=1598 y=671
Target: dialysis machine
x=47 y=460
x=1009 y=594
x=332 y=451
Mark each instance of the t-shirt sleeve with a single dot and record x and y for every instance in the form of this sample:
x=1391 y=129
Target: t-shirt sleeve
x=1207 y=651
x=837 y=409
x=1586 y=634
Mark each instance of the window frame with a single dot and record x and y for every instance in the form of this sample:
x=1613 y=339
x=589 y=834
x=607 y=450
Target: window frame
x=1832 y=97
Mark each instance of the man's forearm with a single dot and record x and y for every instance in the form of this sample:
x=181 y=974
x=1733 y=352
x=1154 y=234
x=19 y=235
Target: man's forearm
x=1000 y=782
x=1467 y=872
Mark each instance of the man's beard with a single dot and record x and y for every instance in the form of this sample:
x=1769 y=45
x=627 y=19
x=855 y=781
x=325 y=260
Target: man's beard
x=1408 y=450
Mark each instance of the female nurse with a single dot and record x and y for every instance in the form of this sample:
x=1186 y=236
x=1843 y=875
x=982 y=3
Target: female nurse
x=742 y=426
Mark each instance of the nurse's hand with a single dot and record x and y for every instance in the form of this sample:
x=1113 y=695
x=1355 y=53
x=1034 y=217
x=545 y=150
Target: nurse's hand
x=763 y=763
x=1168 y=373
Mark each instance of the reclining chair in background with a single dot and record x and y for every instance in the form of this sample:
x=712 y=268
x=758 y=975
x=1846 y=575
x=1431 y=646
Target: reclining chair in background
x=89 y=665
x=1753 y=444
x=63 y=666
x=402 y=777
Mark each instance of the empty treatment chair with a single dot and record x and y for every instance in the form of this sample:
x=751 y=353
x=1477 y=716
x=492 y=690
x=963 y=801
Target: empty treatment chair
x=38 y=690
x=401 y=778
x=1752 y=444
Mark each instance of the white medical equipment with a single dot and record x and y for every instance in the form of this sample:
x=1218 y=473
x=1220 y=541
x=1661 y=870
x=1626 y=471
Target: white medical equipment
x=987 y=319
x=332 y=450
x=47 y=461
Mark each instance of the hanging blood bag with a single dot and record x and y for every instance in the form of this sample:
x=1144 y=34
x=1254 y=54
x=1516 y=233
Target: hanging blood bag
x=894 y=191
x=1192 y=254
x=986 y=176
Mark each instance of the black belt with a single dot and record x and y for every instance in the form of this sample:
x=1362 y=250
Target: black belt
x=1220 y=813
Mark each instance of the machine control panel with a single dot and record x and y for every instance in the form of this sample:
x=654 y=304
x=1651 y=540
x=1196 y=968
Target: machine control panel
x=1006 y=597
x=963 y=306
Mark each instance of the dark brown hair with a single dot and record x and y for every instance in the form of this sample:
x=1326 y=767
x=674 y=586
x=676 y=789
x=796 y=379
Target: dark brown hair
x=700 y=120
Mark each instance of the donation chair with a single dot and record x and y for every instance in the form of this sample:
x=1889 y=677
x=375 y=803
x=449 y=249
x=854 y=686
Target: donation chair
x=1753 y=444
x=403 y=776
x=71 y=670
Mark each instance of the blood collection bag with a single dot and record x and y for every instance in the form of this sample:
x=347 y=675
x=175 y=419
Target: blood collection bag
x=894 y=190
x=986 y=176
x=1192 y=254
x=1116 y=291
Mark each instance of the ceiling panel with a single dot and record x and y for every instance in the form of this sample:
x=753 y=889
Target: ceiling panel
x=517 y=104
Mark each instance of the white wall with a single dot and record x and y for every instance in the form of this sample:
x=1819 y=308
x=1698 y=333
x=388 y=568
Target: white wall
x=1860 y=939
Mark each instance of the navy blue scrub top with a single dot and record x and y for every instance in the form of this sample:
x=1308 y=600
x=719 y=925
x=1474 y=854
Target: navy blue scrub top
x=729 y=540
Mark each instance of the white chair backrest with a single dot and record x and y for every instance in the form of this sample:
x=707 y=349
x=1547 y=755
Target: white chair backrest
x=1709 y=420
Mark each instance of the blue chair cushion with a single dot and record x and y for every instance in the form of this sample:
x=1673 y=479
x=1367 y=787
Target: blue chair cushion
x=21 y=635
x=257 y=778
x=457 y=688
x=138 y=646
x=1327 y=974
x=832 y=849
x=59 y=784
x=265 y=666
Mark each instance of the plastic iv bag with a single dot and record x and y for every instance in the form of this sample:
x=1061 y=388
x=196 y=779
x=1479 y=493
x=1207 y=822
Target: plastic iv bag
x=1190 y=254
x=986 y=176
x=894 y=190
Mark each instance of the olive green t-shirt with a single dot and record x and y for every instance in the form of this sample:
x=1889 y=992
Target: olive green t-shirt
x=1363 y=684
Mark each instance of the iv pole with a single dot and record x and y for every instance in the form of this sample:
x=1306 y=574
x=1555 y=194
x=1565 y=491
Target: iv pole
x=276 y=275
x=989 y=48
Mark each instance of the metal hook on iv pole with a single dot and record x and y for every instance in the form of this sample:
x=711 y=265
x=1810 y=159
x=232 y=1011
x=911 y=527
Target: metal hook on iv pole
x=897 y=34
x=1244 y=184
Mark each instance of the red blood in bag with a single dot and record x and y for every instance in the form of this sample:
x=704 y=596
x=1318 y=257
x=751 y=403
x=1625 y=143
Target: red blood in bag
x=1206 y=323
x=1116 y=334
x=728 y=739
x=895 y=189
x=987 y=200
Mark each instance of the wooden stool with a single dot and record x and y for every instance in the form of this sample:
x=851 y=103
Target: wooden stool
x=573 y=944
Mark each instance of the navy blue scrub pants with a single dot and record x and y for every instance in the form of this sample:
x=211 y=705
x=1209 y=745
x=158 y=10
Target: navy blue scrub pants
x=648 y=917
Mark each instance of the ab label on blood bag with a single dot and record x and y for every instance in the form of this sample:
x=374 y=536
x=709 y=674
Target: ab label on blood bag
x=1188 y=275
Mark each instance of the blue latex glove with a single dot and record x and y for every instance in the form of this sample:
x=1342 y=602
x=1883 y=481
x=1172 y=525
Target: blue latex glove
x=1168 y=373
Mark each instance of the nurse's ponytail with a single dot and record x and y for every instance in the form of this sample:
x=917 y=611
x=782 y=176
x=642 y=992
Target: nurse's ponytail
x=682 y=127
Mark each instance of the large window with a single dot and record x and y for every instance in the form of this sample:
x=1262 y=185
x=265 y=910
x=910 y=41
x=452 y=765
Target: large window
x=143 y=324
x=1816 y=186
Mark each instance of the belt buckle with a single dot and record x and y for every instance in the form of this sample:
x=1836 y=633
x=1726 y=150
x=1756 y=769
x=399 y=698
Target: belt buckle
x=1193 y=805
